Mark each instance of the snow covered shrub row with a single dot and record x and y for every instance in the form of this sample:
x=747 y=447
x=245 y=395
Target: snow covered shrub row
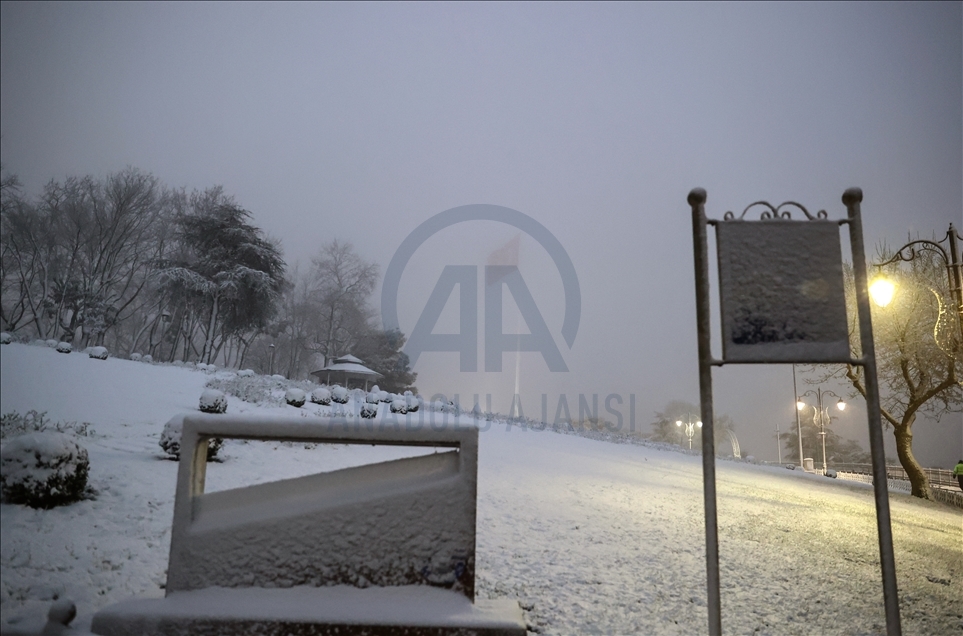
x=170 y=440
x=13 y=424
x=295 y=397
x=98 y=353
x=64 y=347
x=213 y=401
x=43 y=470
x=254 y=389
x=5 y=338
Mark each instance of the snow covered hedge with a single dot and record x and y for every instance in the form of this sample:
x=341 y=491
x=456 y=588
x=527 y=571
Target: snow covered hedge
x=43 y=470
x=295 y=397
x=64 y=347
x=213 y=401
x=170 y=440
x=99 y=353
x=369 y=411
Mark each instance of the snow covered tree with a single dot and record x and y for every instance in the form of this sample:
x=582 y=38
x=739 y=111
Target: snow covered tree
x=382 y=352
x=77 y=260
x=227 y=277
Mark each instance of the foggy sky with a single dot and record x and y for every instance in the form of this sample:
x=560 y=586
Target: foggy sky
x=360 y=121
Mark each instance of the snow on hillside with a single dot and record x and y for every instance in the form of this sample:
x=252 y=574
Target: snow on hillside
x=590 y=536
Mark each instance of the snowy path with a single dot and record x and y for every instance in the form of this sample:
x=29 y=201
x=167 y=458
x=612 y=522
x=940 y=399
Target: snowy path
x=591 y=537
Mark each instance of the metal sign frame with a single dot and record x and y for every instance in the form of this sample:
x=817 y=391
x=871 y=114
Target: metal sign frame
x=778 y=214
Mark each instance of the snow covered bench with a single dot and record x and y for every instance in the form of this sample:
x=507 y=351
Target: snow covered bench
x=379 y=548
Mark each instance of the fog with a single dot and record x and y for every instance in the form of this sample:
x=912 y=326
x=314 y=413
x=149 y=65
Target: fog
x=361 y=121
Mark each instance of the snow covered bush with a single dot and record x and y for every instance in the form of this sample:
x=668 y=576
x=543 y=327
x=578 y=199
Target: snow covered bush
x=43 y=470
x=278 y=376
x=5 y=338
x=412 y=401
x=64 y=347
x=384 y=396
x=369 y=410
x=339 y=394
x=399 y=405
x=295 y=397
x=245 y=373
x=148 y=358
x=170 y=440
x=99 y=353
x=213 y=401
x=13 y=424
x=321 y=396
x=135 y=357
x=256 y=389
x=52 y=343
x=373 y=397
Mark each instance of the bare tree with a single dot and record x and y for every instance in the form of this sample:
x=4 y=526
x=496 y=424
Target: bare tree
x=918 y=352
x=343 y=282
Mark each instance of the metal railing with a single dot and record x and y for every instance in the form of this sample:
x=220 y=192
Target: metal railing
x=939 y=477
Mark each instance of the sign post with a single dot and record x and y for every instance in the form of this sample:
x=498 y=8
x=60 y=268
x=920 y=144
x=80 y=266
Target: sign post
x=782 y=300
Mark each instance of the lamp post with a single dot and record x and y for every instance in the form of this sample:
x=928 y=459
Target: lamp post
x=821 y=414
x=690 y=425
x=272 y=347
x=882 y=290
x=795 y=394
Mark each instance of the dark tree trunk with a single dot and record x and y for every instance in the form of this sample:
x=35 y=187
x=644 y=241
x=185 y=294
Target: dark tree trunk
x=904 y=450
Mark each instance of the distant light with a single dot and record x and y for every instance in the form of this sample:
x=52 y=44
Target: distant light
x=882 y=291
x=678 y=422
x=800 y=405
x=699 y=424
x=841 y=405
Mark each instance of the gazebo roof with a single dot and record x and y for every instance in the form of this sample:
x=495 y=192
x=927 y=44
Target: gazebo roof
x=350 y=366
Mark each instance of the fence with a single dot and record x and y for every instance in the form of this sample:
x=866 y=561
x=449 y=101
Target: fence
x=939 y=477
x=950 y=496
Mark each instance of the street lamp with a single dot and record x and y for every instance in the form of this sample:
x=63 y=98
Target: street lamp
x=882 y=290
x=820 y=414
x=690 y=426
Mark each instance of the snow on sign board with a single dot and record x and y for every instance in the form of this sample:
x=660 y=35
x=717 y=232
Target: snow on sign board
x=781 y=291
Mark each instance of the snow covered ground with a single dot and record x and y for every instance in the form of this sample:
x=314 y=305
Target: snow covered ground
x=590 y=536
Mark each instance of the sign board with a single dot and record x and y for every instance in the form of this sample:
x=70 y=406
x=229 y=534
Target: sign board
x=781 y=291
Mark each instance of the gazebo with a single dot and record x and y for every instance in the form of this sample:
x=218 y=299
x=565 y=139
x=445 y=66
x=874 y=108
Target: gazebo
x=344 y=369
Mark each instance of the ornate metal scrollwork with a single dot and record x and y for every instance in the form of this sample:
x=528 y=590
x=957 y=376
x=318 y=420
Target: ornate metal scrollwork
x=775 y=212
x=912 y=249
